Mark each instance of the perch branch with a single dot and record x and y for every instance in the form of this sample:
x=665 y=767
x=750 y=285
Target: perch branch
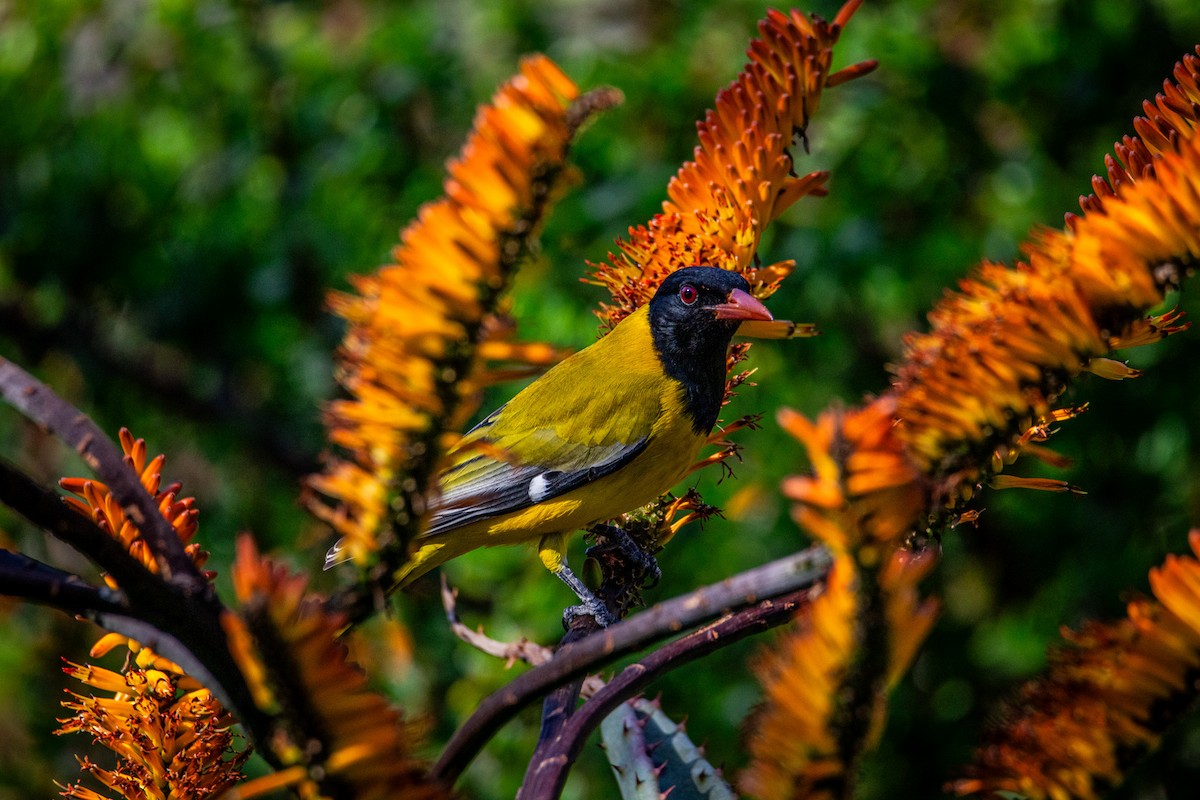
x=783 y=576
x=560 y=704
x=547 y=772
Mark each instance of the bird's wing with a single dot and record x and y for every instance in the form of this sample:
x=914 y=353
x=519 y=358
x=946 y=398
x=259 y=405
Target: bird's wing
x=550 y=439
x=585 y=418
x=484 y=486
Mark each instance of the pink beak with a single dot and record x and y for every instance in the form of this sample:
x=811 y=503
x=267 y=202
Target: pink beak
x=742 y=306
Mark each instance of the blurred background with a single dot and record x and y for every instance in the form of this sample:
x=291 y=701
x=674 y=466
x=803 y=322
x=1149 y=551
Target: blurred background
x=181 y=182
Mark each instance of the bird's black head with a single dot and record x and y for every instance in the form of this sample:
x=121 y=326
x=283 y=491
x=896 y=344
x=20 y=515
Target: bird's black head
x=693 y=315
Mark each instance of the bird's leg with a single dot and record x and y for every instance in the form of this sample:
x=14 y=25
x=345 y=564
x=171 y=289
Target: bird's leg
x=590 y=606
x=551 y=550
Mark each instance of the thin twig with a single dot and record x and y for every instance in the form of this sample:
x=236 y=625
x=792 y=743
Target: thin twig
x=546 y=775
x=591 y=103
x=40 y=404
x=46 y=509
x=29 y=579
x=522 y=650
x=783 y=576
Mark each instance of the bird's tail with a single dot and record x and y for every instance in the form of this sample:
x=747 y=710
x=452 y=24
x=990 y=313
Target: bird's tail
x=338 y=554
x=429 y=555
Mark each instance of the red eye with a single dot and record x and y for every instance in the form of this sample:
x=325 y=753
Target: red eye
x=688 y=294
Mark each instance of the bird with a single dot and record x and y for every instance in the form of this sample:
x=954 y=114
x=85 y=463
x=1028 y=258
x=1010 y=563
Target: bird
x=605 y=431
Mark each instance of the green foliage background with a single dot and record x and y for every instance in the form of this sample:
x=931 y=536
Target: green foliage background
x=180 y=182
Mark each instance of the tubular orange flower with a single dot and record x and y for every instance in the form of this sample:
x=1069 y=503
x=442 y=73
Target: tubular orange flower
x=655 y=524
x=333 y=726
x=95 y=503
x=977 y=390
x=824 y=699
x=741 y=178
x=171 y=742
x=422 y=330
x=805 y=738
x=863 y=491
x=1108 y=696
x=792 y=742
x=1171 y=116
x=171 y=736
x=1001 y=350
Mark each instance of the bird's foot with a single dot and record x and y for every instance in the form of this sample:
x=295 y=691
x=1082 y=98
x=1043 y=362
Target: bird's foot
x=641 y=567
x=590 y=604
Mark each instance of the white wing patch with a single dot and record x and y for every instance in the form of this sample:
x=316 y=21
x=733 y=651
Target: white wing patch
x=539 y=488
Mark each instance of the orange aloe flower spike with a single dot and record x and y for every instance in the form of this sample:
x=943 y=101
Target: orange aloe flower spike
x=423 y=329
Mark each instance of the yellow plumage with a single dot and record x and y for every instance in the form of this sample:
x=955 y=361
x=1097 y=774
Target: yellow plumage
x=554 y=425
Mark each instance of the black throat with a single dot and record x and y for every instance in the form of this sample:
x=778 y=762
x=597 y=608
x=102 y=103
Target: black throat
x=692 y=351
